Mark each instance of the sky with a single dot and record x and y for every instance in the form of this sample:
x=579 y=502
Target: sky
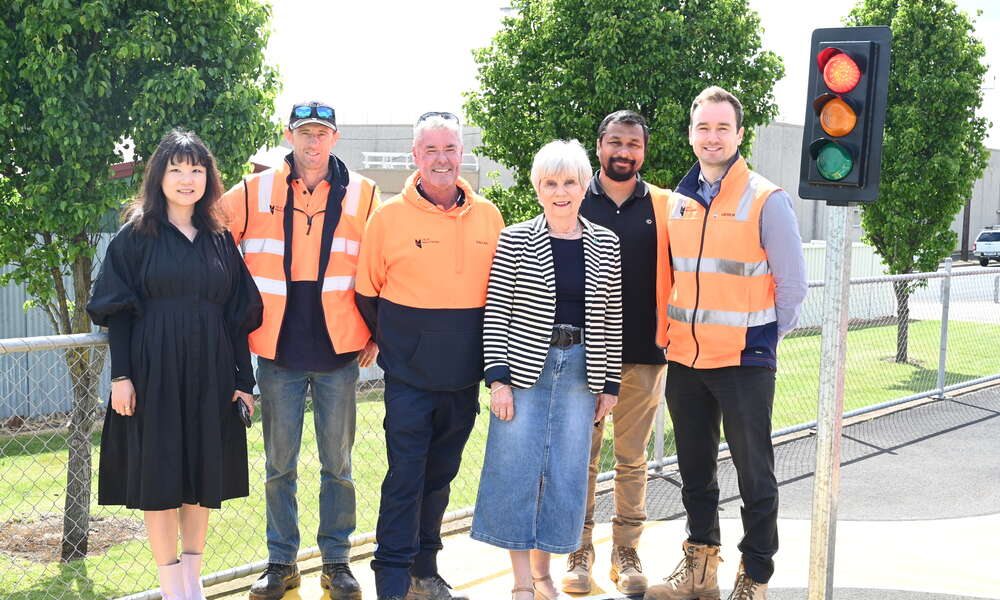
x=388 y=61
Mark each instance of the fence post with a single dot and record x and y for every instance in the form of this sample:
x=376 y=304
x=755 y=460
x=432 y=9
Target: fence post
x=996 y=290
x=658 y=440
x=945 y=302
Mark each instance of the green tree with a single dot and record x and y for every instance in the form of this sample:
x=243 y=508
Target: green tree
x=933 y=148
x=559 y=66
x=75 y=79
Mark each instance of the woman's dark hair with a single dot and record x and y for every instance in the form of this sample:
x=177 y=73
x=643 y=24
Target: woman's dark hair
x=178 y=146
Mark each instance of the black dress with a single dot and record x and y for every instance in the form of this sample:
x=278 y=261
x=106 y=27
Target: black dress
x=179 y=313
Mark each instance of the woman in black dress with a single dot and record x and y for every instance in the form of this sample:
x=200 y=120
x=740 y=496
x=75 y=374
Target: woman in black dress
x=178 y=303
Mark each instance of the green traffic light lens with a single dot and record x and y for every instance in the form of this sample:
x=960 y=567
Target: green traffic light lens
x=834 y=162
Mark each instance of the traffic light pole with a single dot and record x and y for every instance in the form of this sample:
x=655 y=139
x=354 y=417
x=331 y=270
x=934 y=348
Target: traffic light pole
x=833 y=350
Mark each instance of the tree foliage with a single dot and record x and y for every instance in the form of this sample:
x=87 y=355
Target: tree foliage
x=559 y=66
x=75 y=79
x=933 y=149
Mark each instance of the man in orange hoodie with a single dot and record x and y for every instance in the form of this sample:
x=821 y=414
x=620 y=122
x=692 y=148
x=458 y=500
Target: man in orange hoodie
x=421 y=288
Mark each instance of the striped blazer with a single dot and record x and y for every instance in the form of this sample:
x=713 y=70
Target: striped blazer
x=521 y=306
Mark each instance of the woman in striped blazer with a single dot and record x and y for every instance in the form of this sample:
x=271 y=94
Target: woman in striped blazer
x=552 y=346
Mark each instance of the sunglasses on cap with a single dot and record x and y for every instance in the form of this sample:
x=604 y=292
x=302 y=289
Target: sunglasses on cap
x=435 y=113
x=306 y=111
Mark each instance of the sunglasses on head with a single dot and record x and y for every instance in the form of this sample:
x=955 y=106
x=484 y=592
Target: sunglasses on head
x=304 y=112
x=435 y=113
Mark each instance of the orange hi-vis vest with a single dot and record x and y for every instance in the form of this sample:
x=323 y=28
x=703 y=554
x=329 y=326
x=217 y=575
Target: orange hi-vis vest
x=664 y=276
x=721 y=311
x=260 y=218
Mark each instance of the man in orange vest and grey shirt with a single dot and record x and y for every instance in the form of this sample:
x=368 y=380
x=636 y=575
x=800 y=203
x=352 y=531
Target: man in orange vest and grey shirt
x=300 y=226
x=422 y=278
x=620 y=200
x=739 y=282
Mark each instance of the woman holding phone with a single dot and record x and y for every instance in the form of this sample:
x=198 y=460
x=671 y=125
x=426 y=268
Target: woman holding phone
x=178 y=303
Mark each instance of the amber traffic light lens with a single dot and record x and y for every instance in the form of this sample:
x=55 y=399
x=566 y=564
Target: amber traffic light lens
x=837 y=118
x=841 y=73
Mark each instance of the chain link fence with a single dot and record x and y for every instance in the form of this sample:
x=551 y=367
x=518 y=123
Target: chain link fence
x=52 y=407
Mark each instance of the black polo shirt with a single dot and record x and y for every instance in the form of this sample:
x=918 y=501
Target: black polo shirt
x=634 y=224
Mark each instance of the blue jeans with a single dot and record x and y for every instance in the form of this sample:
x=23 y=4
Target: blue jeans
x=283 y=394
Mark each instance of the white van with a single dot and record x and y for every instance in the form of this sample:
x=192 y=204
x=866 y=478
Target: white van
x=987 y=245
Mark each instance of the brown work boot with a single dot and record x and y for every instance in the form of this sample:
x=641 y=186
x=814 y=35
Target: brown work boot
x=695 y=577
x=626 y=571
x=746 y=588
x=578 y=565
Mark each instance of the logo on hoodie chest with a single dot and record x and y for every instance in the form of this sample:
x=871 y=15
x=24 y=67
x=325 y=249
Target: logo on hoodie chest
x=421 y=242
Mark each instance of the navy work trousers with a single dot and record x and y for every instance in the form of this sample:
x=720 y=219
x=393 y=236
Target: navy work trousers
x=425 y=433
x=741 y=398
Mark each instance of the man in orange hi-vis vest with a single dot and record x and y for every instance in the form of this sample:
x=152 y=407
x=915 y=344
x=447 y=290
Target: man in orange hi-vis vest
x=300 y=226
x=739 y=282
x=422 y=277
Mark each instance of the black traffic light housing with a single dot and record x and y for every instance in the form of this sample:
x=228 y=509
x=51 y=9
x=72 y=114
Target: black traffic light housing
x=840 y=163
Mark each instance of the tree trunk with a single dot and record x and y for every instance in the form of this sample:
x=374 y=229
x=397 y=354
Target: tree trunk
x=902 y=319
x=85 y=369
x=84 y=365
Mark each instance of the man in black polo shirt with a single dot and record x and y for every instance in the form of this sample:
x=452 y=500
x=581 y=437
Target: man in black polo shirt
x=620 y=200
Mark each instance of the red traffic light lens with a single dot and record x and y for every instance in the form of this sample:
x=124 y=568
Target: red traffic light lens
x=841 y=74
x=837 y=117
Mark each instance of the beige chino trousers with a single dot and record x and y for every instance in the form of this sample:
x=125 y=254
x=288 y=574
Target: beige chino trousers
x=633 y=416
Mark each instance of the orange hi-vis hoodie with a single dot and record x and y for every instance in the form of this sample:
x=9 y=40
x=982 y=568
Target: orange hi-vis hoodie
x=421 y=286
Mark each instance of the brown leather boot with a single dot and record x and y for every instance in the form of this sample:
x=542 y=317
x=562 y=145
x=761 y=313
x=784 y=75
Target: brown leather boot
x=695 y=577
x=626 y=571
x=746 y=588
x=578 y=565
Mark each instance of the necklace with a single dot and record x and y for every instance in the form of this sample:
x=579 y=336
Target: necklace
x=567 y=235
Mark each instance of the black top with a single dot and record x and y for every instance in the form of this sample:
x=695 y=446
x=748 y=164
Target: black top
x=635 y=226
x=568 y=262
x=179 y=313
x=304 y=342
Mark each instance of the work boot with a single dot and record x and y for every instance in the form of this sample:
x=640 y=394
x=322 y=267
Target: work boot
x=626 y=571
x=746 y=588
x=274 y=581
x=432 y=588
x=578 y=565
x=337 y=578
x=695 y=577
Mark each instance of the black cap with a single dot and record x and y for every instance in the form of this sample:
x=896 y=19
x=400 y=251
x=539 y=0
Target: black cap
x=313 y=116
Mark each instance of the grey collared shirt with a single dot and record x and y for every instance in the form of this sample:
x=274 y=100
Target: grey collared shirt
x=779 y=237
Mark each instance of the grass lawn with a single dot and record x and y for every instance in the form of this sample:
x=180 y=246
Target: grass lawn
x=32 y=467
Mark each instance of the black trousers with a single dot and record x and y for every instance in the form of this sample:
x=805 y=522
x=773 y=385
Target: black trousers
x=425 y=433
x=741 y=399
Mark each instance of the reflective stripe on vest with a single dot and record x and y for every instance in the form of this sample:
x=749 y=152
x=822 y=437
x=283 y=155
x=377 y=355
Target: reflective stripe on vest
x=353 y=197
x=264 y=184
x=339 y=283
x=720 y=265
x=263 y=245
x=267 y=285
x=723 y=317
x=340 y=244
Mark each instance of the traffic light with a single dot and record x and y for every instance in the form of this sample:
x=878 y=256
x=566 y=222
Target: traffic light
x=842 y=137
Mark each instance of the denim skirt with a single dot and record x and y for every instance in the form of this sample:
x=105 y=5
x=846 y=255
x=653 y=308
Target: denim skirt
x=533 y=488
